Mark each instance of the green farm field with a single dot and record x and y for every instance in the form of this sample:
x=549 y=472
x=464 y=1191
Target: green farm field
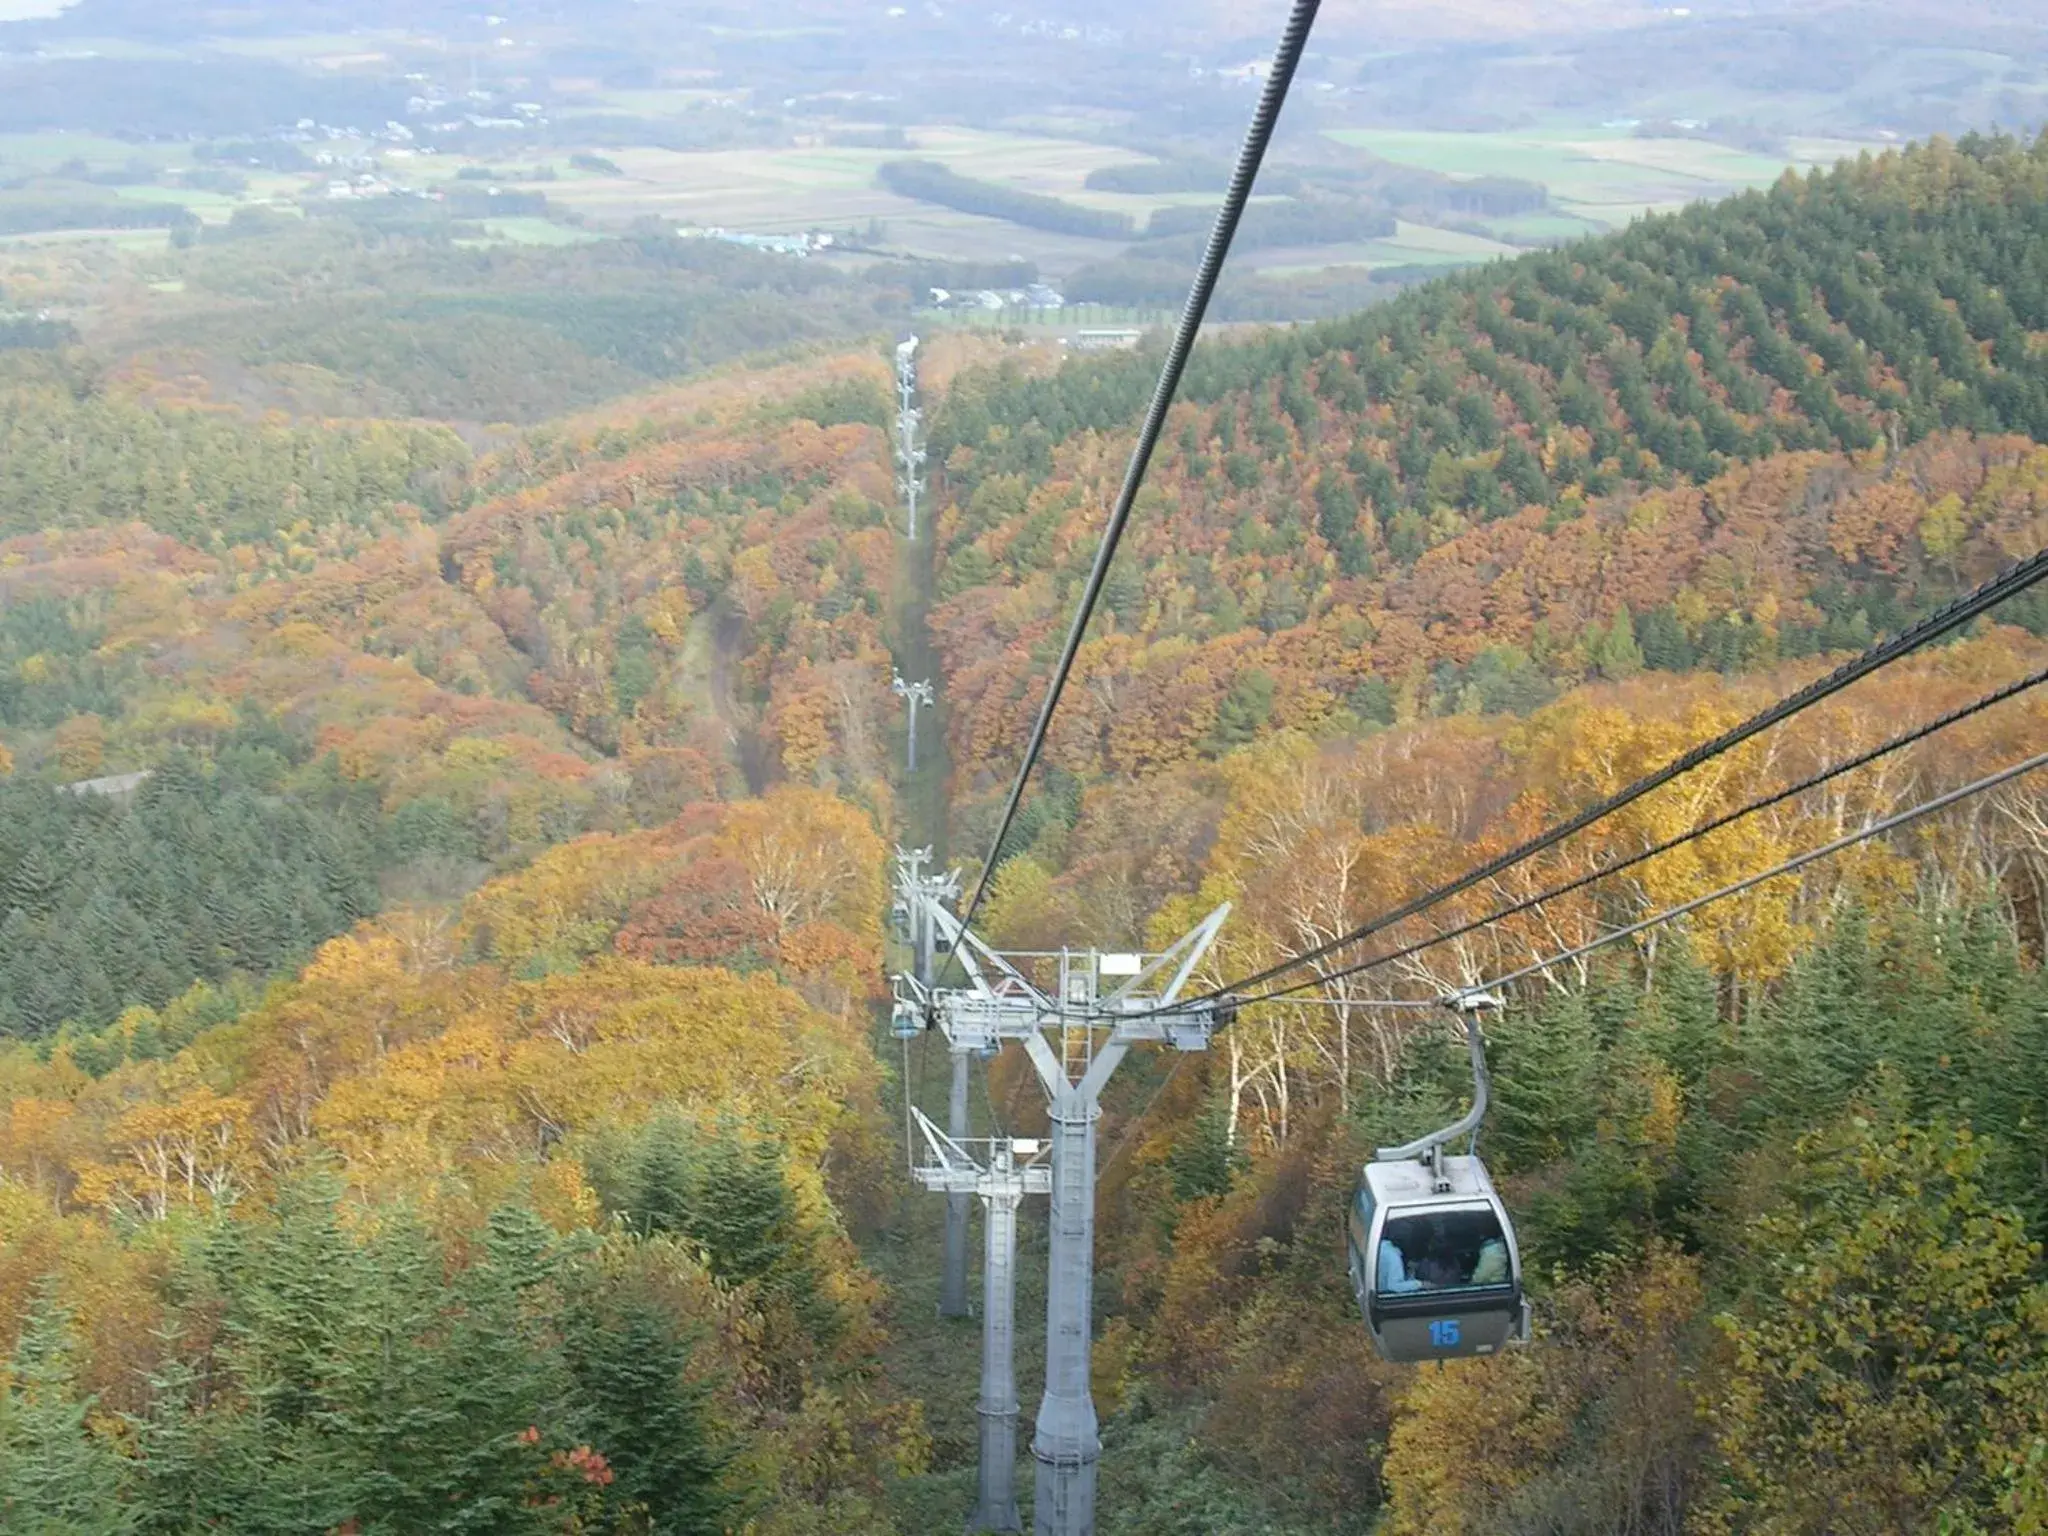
x=120 y=239
x=1411 y=245
x=41 y=153
x=1598 y=178
x=211 y=207
x=812 y=185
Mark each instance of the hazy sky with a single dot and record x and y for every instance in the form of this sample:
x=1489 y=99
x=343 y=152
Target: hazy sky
x=22 y=10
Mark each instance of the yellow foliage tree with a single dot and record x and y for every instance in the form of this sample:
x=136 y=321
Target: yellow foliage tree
x=1488 y=1445
x=193 y=1149
x=36 y=1146
x=566 y=904
x=1467 y=1437
x=802 y=721
x=810 y=857
x=80 y=744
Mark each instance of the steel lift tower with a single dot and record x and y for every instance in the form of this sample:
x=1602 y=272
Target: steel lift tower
x=916 y=891
x=1077 y=1013
x=910 y=456
x=914 y=695
x=1010 y=1172
x=918 y=896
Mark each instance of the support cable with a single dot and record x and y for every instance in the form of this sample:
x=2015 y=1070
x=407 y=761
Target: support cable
x=1789 y=866
x=1812 y=781
x=2014 y=579
x=988 y=1096
x=909 y=1135
x=1570 y=887
x=1137 y=1121
x=1253 y=153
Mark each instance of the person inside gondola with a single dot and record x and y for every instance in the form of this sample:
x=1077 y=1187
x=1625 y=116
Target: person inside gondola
x=1394 y=1276
x=1439 y=1269
x=1492 y=1266
x=1427 y=1261
x=1441 y=1253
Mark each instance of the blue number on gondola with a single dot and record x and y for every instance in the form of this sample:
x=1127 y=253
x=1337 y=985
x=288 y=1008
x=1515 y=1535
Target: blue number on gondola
x=1444 y=1335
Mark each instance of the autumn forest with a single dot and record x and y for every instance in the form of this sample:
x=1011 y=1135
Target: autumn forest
x=445 y=1079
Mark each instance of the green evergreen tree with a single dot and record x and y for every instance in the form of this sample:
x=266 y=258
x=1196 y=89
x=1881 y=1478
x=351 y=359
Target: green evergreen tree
x=1203 y=1161
x=1614 y=651
x=1373 y=701
x=1665 y=644
x=1547 y=1066
x=57 y=1478
x=479 y=1369
x=1244 y=710
x=661 y=1177
x=1337 y=509
x=641 y=1408
x=33 y=882
x=178 y=1476
x=743 y=1213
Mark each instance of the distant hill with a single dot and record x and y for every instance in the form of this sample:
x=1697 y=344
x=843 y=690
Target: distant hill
x=1878 y=302
x=406 y=320
x=1512 y=479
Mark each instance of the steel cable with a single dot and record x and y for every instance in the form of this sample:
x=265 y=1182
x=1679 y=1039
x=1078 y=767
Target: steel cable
x=1286 y=58
x=1592 y=877
x=2012 y=581
x=1748 y=882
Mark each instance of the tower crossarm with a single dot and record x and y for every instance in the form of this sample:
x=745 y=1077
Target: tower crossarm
x=950 y=1167
x=1184 y=1026
x=981 y=1019
x=1177 y=963
x=987 y=971
x=955 y=1168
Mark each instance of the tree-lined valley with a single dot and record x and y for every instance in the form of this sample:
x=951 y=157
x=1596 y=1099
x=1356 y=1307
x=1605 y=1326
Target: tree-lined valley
x=448 y=776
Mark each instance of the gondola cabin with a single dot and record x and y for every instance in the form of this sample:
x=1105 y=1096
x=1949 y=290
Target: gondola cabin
x=1433 y=1260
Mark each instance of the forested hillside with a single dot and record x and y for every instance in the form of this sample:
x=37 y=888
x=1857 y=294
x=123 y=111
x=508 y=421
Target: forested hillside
x=1402 y=590
x=74 y=454
x=375 y=826
x=1691 y=431
x=416 y=323
x=442 y=886
x=408 y=308
x=333 y=685
x=668 y=1327
x=736 y=537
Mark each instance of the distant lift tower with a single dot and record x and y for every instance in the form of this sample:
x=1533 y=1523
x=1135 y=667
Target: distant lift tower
x=916 y=891
x=910 y=456
x=918 y=896
x=913 y=694
x=1008 y=1171
x=1077 y=1013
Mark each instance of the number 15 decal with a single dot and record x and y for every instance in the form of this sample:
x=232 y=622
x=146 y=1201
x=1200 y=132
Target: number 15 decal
x=1444 y=1335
